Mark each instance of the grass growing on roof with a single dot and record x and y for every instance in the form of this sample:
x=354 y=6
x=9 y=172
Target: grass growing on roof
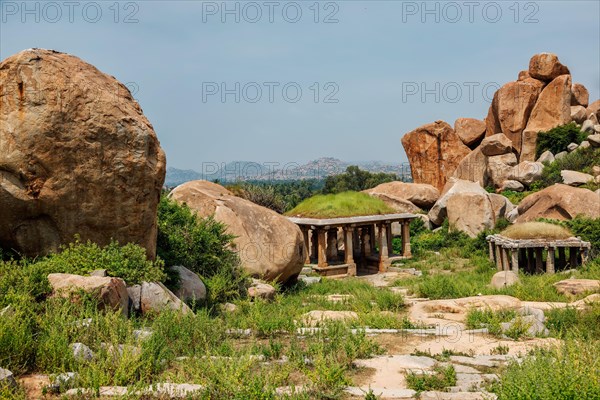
x=346 y=204
x=536 y=230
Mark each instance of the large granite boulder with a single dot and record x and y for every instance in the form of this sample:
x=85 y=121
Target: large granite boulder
x=560 y=202
x=438 y=212
x=578 y=114
x=552 y=109
x=546 y=67
x=579 y=95
x=500 y=167
x=111 y=293
x=419 y=194
x=269 y=245
x=473 y=168
x=78 y=157
x=496 y=145
x=526 y=172
x=510 y=109
x=190 y=287
x=156 y=298
x=594 y=109
x=470 y=130
x=470 y=213
x=434 y=151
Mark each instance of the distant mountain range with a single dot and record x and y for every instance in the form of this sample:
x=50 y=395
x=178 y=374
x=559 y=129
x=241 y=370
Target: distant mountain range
x=255 y=171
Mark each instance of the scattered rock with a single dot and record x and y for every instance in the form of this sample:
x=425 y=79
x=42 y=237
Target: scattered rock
x=7 y=378
x=496 y=145
x=155 y=297
x=546 y=67
x=135 y=297
x=594 y=140
x=575 y=178
x=587 y=302
x=7 y=311
x=191 y=288
x=578 y=114
x=552 y=109
x=63 y=381
x=515 y=186
x=421 y=195
x=99 y=272
x=579 y=95
x=309 y=280
x=560 y=155
x=534 y=326
x=81 y=351
x=103 y=391
x=78 y=157
x=546 y=157
x=577 y=286
x=526 y=172
x=513 y=215
x=142 y=334
x=423 y=147
x=594 y=109
x=228 y=307
x=587 y=126
x=503 y=279
x=500 y=167
x=317 y=317
x=261 y=290
x=469 y=130
x=596 y=170
x=110 y=292
x=269 y=245
x=572 y=147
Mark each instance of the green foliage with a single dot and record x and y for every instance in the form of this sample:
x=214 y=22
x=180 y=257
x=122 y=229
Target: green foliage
x=477 y=319
x=355 y=179
x=557 y=139
x=128 y=262
x=278 y=196
x=346 y=204
x=442 y=378
x=581 y=160
x=201 y=245
x=515 y=197
x=263 y=195
x=566 y=372
x=563 y=322
x=586 y=228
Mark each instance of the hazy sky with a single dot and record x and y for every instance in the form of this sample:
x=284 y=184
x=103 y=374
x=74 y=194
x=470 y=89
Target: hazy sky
x=294 y=81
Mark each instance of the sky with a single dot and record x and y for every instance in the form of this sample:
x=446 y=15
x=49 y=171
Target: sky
x=285 y=81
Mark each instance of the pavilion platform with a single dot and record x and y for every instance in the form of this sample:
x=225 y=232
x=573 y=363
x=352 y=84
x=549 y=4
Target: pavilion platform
x=353 y=245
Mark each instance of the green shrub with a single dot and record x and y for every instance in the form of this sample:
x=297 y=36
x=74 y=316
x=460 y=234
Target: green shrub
x=477 y=319
x=263 y=195
x=586 y=228
x=201 y=245
x=581 y=160
x=128 y=262
x=557 y=139
x=355 y=179
x=568 y=371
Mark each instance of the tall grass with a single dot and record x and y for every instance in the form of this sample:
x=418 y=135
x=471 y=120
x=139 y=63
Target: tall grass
x=346 y=204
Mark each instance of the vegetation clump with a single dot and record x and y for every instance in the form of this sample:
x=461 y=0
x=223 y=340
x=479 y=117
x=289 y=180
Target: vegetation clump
x=346 y=204
x=557 y=139
x=536 y=230
x=355 y=179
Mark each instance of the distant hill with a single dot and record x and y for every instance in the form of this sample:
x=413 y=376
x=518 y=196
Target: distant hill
x=256 y=171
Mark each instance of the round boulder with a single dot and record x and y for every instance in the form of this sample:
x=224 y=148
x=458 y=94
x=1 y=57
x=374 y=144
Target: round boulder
x=419 y=194
x=503 y=279
x=269 y=245
x=78 y=157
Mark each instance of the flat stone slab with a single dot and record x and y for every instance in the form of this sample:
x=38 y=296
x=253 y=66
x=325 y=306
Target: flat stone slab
x=481 y=361
x=457 y=396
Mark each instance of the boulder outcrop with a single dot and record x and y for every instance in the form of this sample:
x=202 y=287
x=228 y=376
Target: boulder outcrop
x=78 y=157
x=420 y=194
x=470 y=130
x=434 y=151
x=269 y=245
x=560 y=202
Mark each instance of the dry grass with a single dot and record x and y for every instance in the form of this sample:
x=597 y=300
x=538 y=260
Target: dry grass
x=536 y=230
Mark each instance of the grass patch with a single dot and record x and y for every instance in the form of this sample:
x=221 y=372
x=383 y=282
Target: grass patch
x=536 y=230
x=489 y=319
x=569 y=371
x=346 y=204
x=441 y=378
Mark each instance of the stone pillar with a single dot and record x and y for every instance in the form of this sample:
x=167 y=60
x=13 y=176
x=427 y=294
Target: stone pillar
x=573 y=256
x=388 y=233
x=383 y=248
x=332 y=244
x=306 y=236
x=406 y=252
x=321 y=248
x=491 y=247
x=505 y=260
x=365 y=238
x=539 y=257
x=372 y=238
x=348 y=250
x=499 y=258
x=314 y=248
x=356 y=240
x=515 y=260
x=550 y=261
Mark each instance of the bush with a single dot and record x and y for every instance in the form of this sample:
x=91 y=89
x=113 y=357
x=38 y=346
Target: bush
x=355 y=179
x=557 y=139
x=128 y=262
x=581 y=160
x=263 y=195
x=586 y=228
x=201 y=245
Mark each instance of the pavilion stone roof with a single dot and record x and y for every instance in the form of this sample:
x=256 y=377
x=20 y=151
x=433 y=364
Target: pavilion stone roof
x=533 y=243
x=352 y=221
